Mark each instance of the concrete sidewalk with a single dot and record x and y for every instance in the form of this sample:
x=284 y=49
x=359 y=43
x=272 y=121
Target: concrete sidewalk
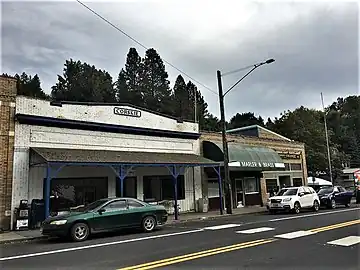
x=23 y=236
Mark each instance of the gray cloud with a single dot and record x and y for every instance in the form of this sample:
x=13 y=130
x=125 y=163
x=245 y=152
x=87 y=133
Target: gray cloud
x=315 y=45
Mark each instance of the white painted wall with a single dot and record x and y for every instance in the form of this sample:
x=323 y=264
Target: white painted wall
x=100 y=114
x=28 y=182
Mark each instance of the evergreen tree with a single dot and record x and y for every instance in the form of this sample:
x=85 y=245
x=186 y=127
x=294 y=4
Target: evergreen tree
x=181 y=99
x=121 y=88
x=29 y=86
x=245 y=119
x=85 y=83
x=128 y=83
x=154 y=83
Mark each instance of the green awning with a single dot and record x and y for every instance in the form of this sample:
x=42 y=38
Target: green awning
x=245 y=157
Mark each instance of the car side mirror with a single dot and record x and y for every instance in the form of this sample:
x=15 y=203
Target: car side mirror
x=301 y=194
x=100 y=211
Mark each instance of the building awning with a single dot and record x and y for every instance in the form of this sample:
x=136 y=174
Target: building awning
x=244 y=157
x=81 y=156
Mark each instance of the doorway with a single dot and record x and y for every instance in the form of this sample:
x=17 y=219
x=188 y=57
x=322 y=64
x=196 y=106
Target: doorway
x=130 y=187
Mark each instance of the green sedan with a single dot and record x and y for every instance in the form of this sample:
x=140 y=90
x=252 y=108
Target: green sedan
x=105 y=215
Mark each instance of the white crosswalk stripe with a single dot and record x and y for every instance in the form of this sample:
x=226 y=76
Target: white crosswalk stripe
x=256 y=230
x=221 y=227
x=293 y=235
x=346 y=241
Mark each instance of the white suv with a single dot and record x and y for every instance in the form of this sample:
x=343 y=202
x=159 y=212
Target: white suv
x=293 y=199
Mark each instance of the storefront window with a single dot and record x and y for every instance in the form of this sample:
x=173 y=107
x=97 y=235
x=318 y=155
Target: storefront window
x=158 y=188
x=271 y=185
x=213 y=188
x=251 y=185
x=296 y=167
x=297 y=182
x=72 y=192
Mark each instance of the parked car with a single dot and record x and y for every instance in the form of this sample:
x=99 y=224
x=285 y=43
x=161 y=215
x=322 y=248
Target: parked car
x=294 y=199
x=105 y=215
x=332 y=196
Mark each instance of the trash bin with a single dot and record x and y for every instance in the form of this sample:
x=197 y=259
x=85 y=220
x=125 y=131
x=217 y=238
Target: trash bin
x=37 y=213
x=22 y=216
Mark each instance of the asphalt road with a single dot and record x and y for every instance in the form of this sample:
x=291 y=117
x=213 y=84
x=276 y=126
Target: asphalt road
x=238 y=242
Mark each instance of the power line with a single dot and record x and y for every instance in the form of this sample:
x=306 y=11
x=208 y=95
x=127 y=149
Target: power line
x=142 y=45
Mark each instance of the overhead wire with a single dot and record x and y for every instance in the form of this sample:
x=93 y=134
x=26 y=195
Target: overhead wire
x=143 y=46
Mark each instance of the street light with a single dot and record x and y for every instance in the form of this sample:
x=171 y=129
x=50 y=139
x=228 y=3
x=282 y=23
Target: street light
x=228 y=190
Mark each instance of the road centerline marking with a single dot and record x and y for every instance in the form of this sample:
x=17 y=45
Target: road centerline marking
x=49 y=252
x=335 y=226
x=196 y=255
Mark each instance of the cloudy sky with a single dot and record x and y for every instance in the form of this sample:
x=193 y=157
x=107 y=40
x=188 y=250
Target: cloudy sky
x=315 y=45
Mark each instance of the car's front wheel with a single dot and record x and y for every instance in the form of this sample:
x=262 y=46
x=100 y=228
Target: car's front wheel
x=79 y=232
x=297 y=208
x=148 y=223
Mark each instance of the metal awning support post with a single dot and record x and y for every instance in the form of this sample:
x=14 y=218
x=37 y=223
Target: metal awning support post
x=218 y=172
x=175 y=173
x=121 y=174
x=47 y=190
x=47 y=194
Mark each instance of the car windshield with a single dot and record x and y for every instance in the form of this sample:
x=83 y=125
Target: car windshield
x=287 y=192
x=325 y=191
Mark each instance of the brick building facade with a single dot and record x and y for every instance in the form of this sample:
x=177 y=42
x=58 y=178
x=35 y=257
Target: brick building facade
x=292 y=154
x=7 y=130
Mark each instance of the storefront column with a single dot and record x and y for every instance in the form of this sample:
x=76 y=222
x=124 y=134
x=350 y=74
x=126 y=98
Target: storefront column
x=47 y=190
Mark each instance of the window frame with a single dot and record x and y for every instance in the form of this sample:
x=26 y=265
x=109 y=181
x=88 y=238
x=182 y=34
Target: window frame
x=136 y=201
x=114 y=201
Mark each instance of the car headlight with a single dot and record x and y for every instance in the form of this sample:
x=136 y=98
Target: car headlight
x=287 y=200
x=58 y=222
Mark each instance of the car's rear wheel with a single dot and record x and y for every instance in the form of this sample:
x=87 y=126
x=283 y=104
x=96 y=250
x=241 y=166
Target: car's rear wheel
x=332 y=204
x=148 y=223
x=316 y=206
x=297 y=208
x=79 y=232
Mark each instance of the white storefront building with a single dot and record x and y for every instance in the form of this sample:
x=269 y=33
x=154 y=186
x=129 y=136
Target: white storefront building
x=78 y=133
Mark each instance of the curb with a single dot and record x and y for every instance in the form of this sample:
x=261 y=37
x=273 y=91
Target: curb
x=22 y=240
x=169 y=223
x=173 y=222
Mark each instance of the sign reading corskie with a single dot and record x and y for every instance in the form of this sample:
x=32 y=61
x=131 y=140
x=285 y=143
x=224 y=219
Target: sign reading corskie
x=127 y=112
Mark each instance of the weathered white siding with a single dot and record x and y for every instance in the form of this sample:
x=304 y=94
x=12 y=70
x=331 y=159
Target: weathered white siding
x=28 y=180
x=100 y=114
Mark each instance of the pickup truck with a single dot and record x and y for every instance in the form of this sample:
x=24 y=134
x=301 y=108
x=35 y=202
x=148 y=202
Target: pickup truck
x=333 y=196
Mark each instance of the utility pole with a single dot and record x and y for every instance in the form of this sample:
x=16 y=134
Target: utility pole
x=327 y=139
x=228 y=191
